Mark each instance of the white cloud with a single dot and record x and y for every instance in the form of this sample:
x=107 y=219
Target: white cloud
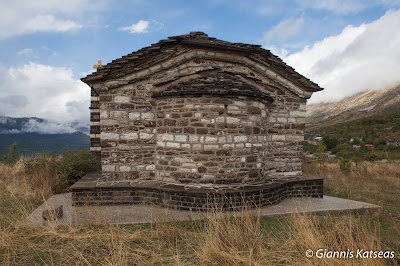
x=360 y=58
x=142 y=26
x=276 y=39
x=48 y=23
x=41 y=127
x=26 y=16
x=286 y=28
x=139 y=27
x=25 y=52
x=47 y=127
x=43 y=91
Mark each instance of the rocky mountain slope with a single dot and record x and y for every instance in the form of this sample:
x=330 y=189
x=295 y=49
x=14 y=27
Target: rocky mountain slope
x=354 y=107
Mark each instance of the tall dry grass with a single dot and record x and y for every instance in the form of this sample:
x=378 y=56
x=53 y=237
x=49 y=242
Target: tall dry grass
x=221 y=239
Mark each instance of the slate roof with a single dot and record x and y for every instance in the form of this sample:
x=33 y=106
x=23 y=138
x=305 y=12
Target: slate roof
x=164 y=49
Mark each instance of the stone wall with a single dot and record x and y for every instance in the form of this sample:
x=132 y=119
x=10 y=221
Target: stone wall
x=210 y=139
x=218 y=119
x=285 y=136
x=128 y=126
x=207 y=139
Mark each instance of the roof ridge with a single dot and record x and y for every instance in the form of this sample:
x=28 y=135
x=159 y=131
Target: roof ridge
x=199 y=38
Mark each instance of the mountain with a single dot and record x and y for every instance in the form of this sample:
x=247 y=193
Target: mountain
x=33 y=135
x=356 y=107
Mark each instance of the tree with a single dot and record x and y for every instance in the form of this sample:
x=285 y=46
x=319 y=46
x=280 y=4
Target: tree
x=321 y=147
x=330 y=142
x=12 y=156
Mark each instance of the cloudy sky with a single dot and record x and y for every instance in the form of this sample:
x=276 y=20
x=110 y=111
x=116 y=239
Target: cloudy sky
x=46 y=46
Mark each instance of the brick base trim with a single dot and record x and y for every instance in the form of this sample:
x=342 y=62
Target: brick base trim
x=194 y=198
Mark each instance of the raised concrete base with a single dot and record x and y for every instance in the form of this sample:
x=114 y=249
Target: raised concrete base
x=140 y=213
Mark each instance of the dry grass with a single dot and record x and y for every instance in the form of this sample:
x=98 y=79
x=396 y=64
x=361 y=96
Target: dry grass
x=219 y=240
x=377 y=183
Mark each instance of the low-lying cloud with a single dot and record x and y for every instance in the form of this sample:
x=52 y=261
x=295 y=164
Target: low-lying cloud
x=41 y=127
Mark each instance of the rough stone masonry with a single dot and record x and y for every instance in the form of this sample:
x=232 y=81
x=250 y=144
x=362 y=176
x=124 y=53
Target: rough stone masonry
x=193 y=121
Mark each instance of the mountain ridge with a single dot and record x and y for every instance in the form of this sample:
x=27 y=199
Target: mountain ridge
x=358 y=106
x=33 y=135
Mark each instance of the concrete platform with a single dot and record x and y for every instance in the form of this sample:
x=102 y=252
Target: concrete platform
x=141 y=213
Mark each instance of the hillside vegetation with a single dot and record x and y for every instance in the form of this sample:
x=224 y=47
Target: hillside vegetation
x=217 y=240
x=386 y=126
x=372 y=138
x=31 y=143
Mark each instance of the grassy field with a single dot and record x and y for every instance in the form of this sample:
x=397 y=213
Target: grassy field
x=217 y=240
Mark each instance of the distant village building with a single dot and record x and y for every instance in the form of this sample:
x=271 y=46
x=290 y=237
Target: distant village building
x=393 y=142
x=314 y=140
x=192 y=119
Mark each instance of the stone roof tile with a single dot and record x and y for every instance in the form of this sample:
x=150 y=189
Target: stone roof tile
x=164 y=49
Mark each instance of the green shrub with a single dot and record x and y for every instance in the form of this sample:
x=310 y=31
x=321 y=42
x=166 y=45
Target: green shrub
x=12 y=156
x=345 y=164
x=75 y=164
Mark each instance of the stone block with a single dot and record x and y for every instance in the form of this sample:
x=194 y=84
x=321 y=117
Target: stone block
x=165 y=137
x=172 y=145
x=240 y=138
x=300 y=120
x=298 y=113
x=281 y=120
x=124 y=168
x=108 y=168
x=263 y=113
x=211 y=139
x=293 y=173
x=232 y=120
x=222 y=139
x=230 y=145
x=239 y=103
x=193 y=138
x=118 y=114
x=122 y=99
x=151 y=167
x=109 y=136
x=211 y=147
x=181 y=138
x=134 y=116
x=108 y=122
x=296 y=138
x=130 y=136
x=145 y=136
x=197 y=146
x=147 y=116
x=278 y=137
x=104 y=114
x=190 y=165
